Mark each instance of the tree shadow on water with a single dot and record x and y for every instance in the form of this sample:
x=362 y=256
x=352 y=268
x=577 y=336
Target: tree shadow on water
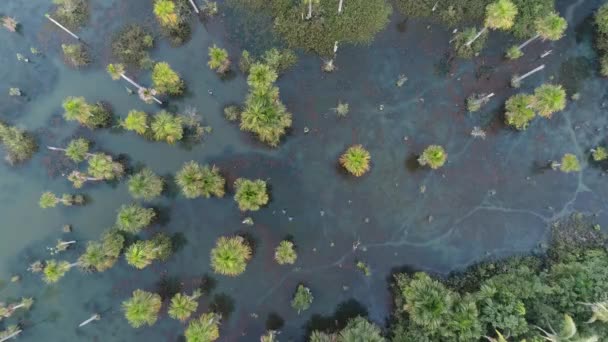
x=222 y=304
x=345 y=311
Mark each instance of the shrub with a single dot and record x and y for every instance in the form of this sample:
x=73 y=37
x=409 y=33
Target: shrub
x=166 y=81
x=250 y=195
x=90 y=116
x=232 y=113
x=285 y=253
x=434 y=156
x=230 y=255
x=196 y=180
x=356 y=160
x=131 y=44
x=145 y=185
x=71 y=13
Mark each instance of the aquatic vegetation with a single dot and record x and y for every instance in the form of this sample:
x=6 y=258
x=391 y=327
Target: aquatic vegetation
x=145 y=185
x=519 y=111
x=285 y=253
x=269 y=336
x=195 y=180
x=232 y=113
x=203 y=329
x=463 y=37
x=599 y=153
x=166 y=81
x=230 y=255
x=50 y=200
x=245 y=61
x=302 y=299
x=218 y=59
x=356 y=160
x=363 y=267
x=264 y=114
x=142 y=253
x=167 y=127
x=103 y=167
x=72 y=13
x=569 y=163
x=133 y=218
x=75 y=55
x=19 y=145
x=172 y=17
x=101 y=256
x=250 y=194
x=142 y=308
x=91 y=116
x=279 y=60
x=549 y=99
x=434 y=156
x=183 y=306
x=131 y=44
x=10 y=23
x=341 y=109
x=136 y=121
x=209 y=8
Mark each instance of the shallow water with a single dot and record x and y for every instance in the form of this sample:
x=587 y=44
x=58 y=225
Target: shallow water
x=493 y=198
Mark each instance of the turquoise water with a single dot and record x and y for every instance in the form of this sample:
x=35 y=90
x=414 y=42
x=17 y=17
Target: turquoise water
x=493 y=198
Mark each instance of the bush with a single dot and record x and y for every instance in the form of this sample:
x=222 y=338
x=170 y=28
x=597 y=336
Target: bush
x=230 y=256
x=250 y=195
x=75 y=55
x=131 y=44
x=196 y=180
x=167 y=81
x=356 y=160
x=71 y=13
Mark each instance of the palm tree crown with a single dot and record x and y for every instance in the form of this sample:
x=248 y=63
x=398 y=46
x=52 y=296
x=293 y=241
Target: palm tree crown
x=230 y=255
x=203 y=329
x=500 y=14
x=549 y=99
x=551 y=26
x=142 y=308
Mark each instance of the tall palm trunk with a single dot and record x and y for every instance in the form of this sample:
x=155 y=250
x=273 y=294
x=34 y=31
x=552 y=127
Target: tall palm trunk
x=61 y=26
x=340 y=6
x=126 y=78
x=476 y=36
x=529 y=73
x=6 y=338
x=194 y=6
x=309 y=10
x=52 y=148
x=528 y=41
x=95 y=317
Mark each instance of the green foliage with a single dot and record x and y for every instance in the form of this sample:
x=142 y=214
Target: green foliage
x=230 y=256
x=167 y=127
x=500 y=15
x=569 y=163
x=131 y=44
x=172 y=15
x=75 y=55
x=71 y=13
x=91 y=116
x=203 y=329
x=196 y=180
x=19 y=145
x=514 y=52
x=302 y=299
x=102 y=167
x=232 y=113
x=279 y=60
x=133 y=218
x=165 y=12
x=136 y=121
x=246 y=61
x=145 y=185
x=519 y=111
x=264 y=114
x=548 y=99
x=100 y=256
x=358 y=23
x=551 y=26
x=218 y=59
x=55 y=270
x=115 y=70
x=356 y=160
x=434 y=156
x=142 y=308
x=528 y=13
x=77 y=150
x=285 y=253
x=142 y=253
x=166 y=81
x=50 y=200
x=360 y=329
x=469 y=51
x=250 y=195
x=342 y=109
x=599 y=153
x=183 y=306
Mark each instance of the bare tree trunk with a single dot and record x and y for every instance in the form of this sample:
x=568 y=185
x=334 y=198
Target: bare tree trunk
x=194 y=6
x=340 y=6
x=52 y=148
x=61 y=26
x=309 y=9
x=529 y=73
x=487 y=97
x=139 y=87
x=95 y=317
x=476 y=36
x=11 y=335
x=528 y=41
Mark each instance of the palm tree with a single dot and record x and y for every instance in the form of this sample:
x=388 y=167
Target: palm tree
x=19 y=145
x=117 y=71
x=261 y=76
x=218 y=59
x=77 y=150
x=50 y=200
x=599 y=153
x=341 y=109
x=434 y=156
x=428 y=302
x=302 y=299
x=136 y=121
x=230 y=255
x=285 y=253
x=569 y=163
x=516 y=79
x=250 y=195
x=10 y=24
x=102 y=166
x=513 y=52
x=165 y=12
x=548 y=27
x=142 y=308
x=133 y=218
x=54 y=270
x=140 y=254
x=310 y=3
x=600 y=311
x=182 y=306
x=549 y=99
x=100 y=256
x=204 y=328
x=356 y=160
x=567 y=332
x=500 y=15
x=519 y=111
x=166 y=81
x=167 y=127
x=91 y=116
x=75 y=55
x=360 y=329
x=145 y=185
x=475 y=101
x=269 y=336
x=196 y=180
